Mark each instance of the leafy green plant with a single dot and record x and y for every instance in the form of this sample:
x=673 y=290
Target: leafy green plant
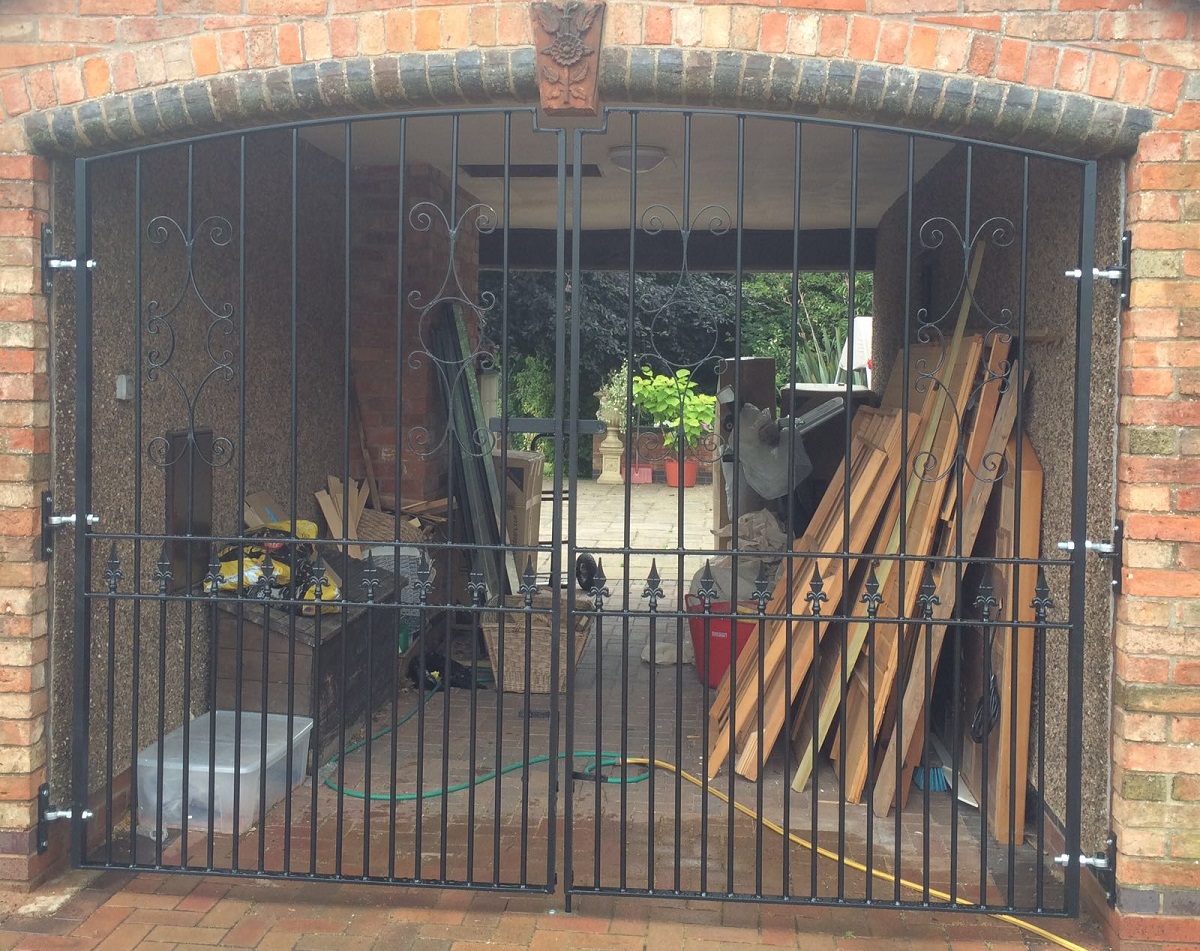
x=673 y=403
x=613 y=397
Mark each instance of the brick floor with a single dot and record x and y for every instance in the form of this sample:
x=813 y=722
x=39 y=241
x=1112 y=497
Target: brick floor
x=94 y=912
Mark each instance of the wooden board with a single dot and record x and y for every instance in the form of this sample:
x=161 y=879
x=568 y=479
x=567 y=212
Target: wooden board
x=1010 y=658
x=759 y=710
x=937 y=433
x=914 y=692
x=872 y=433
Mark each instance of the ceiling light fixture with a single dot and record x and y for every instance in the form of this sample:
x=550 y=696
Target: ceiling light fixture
x=642 y=159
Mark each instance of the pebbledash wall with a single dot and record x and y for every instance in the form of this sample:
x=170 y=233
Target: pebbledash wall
x=1097 y=78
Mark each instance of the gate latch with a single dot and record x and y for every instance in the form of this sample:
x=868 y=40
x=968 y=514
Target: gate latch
x=51 y=521
x=1117 y=273
x=1109 y=551
x=48 y=813
x=51 y=262
x=1103 y=865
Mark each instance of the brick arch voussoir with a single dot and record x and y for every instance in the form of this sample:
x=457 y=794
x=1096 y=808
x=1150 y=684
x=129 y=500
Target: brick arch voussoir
x=889 y=95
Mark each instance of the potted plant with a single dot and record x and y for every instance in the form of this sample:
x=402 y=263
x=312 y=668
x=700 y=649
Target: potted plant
x=613 y=411
x=673 y=404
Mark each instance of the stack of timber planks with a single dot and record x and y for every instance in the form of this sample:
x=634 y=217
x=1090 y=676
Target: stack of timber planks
x=916 y=484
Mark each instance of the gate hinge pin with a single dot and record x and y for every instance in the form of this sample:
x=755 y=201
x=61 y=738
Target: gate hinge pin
x=52 y=520
x=1109 y=551
x=1104 y=864
x=48 y=813
x=51 y=262
x=1118 y=273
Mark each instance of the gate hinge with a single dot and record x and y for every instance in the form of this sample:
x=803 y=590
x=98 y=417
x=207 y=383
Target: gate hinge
x=1103 y=866
x=48 y=813
x=51 y=521
x=1109 y=551
x=1117 y=273
x=51 y=262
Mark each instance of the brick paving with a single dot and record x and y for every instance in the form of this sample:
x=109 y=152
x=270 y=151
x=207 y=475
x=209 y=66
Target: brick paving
x=118 y=911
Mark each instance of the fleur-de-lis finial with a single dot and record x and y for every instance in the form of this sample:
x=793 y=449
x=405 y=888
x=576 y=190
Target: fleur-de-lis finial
x=816 y=593
x=927 y=595
x=112 y=569
x=985 y=600
x=654 y=588
x=261 y=588
x=762 y=588
x=370 y=579
x=213 y=579
x=424 y=581
x=872 y=598
x=476 y=587
x=707 y=589
x=1042 y=602
x=528 y=582
x=162 y=571
x=598 y=590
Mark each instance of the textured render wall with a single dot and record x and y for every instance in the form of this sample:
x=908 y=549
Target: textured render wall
x=265 y=449
x=1062 y=73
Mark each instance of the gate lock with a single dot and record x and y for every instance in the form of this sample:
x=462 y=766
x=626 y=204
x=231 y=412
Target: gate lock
x=51 y=521
x=1109 y=551
x=1103 y=865
x=51 y=262
x=48 y=813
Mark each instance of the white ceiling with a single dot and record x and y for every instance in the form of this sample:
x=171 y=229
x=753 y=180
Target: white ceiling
x=769 y=167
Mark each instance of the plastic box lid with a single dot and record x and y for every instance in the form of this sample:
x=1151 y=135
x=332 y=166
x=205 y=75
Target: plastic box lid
x=252 y=749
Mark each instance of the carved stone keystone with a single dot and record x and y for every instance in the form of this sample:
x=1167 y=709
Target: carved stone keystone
x=567 y=38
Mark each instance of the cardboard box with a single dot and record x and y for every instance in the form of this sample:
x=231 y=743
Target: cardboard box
x=523 y=489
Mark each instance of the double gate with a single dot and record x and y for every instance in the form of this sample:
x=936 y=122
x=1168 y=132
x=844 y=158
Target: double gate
x=493 y=689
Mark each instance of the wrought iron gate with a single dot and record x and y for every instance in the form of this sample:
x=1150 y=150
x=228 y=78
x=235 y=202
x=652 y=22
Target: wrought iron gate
x=456 y=692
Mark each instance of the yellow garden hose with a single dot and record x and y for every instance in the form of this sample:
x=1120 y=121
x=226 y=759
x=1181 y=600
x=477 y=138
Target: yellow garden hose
x=850 y=863
x=613 y=760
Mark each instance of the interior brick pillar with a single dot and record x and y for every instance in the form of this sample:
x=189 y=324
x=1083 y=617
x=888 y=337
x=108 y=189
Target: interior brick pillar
x=24 y=470
x=1156 y=663
x=377 y=372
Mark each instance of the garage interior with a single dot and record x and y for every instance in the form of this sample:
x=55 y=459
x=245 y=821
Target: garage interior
x=246 y=360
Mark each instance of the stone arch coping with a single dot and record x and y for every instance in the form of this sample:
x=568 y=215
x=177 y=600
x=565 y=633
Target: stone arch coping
x=921 y=100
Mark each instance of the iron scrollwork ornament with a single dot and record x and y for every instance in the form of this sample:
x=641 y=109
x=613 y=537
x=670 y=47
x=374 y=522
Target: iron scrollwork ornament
x=218 y=232
x=935 y=233
x=567 y=37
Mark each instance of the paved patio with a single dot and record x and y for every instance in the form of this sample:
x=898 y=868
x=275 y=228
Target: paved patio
x=115 y=911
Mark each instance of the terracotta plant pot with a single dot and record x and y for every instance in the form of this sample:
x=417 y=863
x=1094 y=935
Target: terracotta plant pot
x=691 y=468
x=641 y=474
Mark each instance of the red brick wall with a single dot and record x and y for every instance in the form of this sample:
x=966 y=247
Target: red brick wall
x=1136 y=52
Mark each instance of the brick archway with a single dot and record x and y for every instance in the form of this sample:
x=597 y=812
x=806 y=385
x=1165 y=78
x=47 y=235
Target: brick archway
x=982 y=108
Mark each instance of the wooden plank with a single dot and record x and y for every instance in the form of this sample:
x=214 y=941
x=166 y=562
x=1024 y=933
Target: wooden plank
x=942 y=437
x=1011 y=654
x=826 y=521
x=971 y=516
x=872 y=434
x=763 y=721
x=363 y=448
x=922 y=500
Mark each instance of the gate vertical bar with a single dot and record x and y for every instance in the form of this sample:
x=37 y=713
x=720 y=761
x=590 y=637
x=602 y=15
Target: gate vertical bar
x=83 y=502
x=560 y=356
x=1083 y=381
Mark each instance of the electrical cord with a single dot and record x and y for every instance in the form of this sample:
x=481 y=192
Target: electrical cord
x=601 y=760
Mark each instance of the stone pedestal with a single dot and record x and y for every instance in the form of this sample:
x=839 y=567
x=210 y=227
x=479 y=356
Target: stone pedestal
x=611 y=452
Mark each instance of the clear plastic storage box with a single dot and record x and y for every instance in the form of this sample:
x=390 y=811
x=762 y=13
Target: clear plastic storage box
x=254 y=758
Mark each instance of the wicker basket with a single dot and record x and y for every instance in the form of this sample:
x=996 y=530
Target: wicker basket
x=532 y=641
